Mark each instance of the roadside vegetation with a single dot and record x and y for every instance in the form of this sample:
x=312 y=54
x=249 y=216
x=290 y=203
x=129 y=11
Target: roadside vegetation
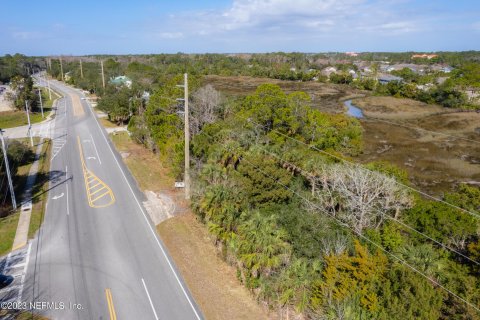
x=307 y=232
x=21 y=157
x=188 y=242
x=40 y=189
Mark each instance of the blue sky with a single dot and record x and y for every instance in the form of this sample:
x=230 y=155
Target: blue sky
x=54 y=27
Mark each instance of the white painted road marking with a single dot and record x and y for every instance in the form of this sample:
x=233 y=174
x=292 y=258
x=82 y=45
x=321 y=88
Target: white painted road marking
x=95 y=147
x=66 y=188
x=146 y=219
x=58 y=196
x=149 y=299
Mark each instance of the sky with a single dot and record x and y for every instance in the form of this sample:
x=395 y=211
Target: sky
x=56 y=27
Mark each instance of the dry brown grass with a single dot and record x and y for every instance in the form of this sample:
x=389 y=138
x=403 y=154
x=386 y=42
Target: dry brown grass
x=325 y=97
x=107 y=123
x=145 y=166
x=212 y=282
x=435 y=162
x=396 y=108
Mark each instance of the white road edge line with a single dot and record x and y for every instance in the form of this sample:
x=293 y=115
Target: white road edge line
x=20 y=292
x=66 y=188
x=95 y=147
x=146 y=219
x=149 y=299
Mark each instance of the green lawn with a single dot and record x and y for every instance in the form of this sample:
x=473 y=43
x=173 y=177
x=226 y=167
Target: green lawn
x=8 y=225
x=40 y=190
x=10 y=119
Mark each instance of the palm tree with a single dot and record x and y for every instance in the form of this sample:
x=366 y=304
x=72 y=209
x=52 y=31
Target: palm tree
x=262 y=247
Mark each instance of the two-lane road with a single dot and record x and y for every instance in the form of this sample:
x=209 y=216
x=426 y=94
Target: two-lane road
x=97 y=255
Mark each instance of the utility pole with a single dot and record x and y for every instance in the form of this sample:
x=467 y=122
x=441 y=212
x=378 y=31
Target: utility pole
x=29 y=124
x=40 y=98
x=81 y=69
x=187 y=137
x=61 y=68
x=7 y=169
x=103 y=74
x=45 y=76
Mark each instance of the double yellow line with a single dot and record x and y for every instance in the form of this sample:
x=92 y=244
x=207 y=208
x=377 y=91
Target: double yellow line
x=111 y=308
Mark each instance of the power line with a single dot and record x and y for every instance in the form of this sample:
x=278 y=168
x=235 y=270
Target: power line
x=367 y=239
x=353 y=163
x=389 y=217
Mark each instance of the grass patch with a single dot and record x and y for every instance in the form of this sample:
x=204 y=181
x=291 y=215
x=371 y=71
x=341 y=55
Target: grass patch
x=107 y=123
x=40 y=189
x=16 y=118
x=8 y=227
x=47 y=102
x=10 y=119
x=21 y=315
x=146 y=167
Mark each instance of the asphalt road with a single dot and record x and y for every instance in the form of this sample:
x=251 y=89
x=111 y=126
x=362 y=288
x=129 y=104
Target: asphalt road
x=96 y=255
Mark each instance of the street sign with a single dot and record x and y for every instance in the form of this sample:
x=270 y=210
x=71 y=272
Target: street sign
x=180 y=184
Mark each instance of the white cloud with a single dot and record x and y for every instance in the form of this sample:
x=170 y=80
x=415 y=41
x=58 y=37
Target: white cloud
x=289 y=17
x=171 y=35
x=26 y=35
x=279 y=24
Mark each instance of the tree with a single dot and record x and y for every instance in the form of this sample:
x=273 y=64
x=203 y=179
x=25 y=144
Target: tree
x=22 y=92
x=347 y=277
x=205 y=109
x=261 y=247
x=441 y=222
x=407 y=295
x=118 y=105
x=263 y=179
x=363 y=197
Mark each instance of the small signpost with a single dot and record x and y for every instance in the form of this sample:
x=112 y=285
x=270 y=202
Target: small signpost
x=179 y=184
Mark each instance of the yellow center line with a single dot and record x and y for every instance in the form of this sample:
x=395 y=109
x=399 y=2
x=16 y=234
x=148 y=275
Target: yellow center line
x=111 y=307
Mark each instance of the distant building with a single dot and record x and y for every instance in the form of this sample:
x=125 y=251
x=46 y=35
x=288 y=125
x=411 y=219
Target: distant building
x=447 y=69
x=121 y=81
x=386 y=78
x=425 y=87
x=329 y=70
x=351 y=54
x=424 y=56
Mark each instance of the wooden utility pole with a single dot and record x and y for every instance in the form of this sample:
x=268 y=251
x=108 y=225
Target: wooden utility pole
x=45 y=76
x=81 y=69
x=61 y=68
x=103 y=74
x=187 y=140
x=29 y=124
x=40 y=98
x=7 y=170
x=186 y=180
